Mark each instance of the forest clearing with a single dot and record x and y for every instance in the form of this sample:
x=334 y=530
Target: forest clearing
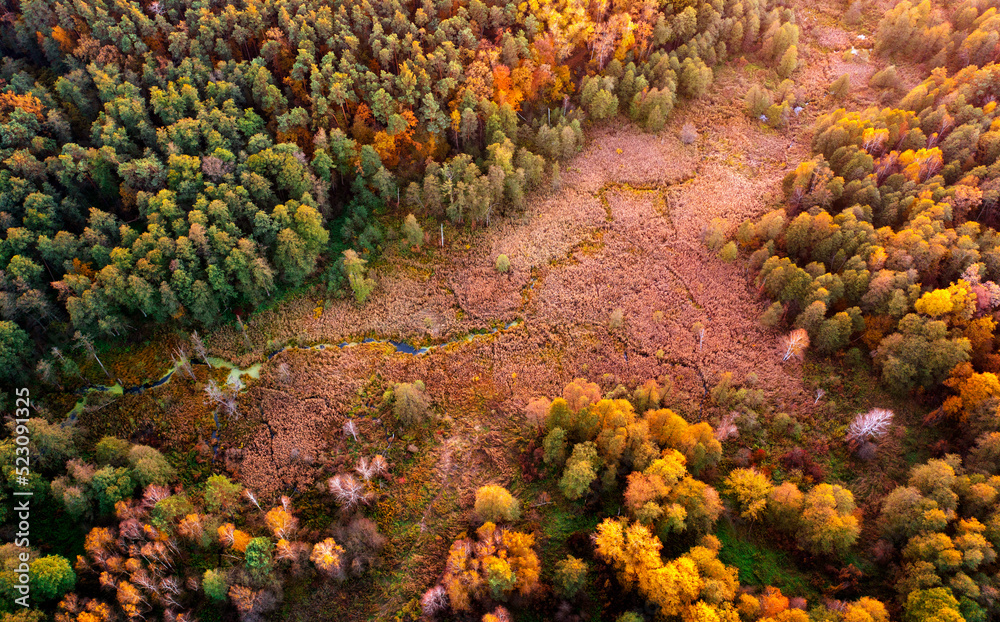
x=718 y=347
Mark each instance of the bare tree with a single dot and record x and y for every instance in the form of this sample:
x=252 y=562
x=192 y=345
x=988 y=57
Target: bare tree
x=434 y=601
x=794 y=344
x=199 y=347
x=380 y=466
x=284 y=374
x=870 y=425
x=243 y=329
x=351 y=429
x=83 y=341
x=226 y=397
x=699 y=331
x=364 y=469
x=370 y=469
x=184 y=362
x=348 y=491
x=819 y=395
x=252 y=498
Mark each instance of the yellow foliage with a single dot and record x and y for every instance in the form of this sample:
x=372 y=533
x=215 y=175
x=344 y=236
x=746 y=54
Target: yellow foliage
x=973 y=390
x=751 y=488
x=865 y=610
x=328 y=556
x=280 y=522
x=240 y=540
x=635 y=553
x=748 y=607
x=935 y=303
x=957 y=302
x=506 y=557
x=789 y=615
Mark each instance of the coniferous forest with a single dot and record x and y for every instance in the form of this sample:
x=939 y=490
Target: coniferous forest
x=625 y=311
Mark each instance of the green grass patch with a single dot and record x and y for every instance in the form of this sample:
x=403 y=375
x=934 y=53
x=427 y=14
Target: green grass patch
x=761 y=565
x=561 y=521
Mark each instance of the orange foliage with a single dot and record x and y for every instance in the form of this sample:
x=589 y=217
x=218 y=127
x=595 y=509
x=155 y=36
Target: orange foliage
x=28 y=103
x=980 y=335
x=280 y=522
x=876 y=328
x=300 y=136
x=298 y=88
x=973 y=390
x=234 y=538
x=97 y=540
x=63 y=38
x=504 y=91
x=772 y=602
x=385 y=147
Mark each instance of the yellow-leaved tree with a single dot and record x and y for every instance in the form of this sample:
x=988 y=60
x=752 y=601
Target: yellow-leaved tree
x=695 y=586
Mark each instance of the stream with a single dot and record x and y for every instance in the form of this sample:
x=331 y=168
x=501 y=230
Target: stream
x=253 y=371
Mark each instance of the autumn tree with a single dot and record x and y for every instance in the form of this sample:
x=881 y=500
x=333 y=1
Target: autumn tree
x=410 y=403
x=750 y=489
x=828 y=522
x=494 y=504
x=354 y=266
x=51 y=577
x=570 y=576
x=580 y=471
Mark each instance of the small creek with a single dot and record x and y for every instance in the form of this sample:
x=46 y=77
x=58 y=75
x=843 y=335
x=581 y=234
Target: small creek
x=253 y=371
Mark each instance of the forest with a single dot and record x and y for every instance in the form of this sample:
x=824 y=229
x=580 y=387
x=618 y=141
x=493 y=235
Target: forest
x=464 y=310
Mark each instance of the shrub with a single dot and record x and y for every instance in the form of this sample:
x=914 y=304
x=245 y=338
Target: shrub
x=258 y=555
x=841 y=87
x=554 y=447
x=772 y=316
x=111 y=485
x=221 y=494
x=410 y=403
x=758 y=100
x=603 y=105
x=828 y=524
x=617 y=319
x=570 y=576
x=888 y=78
x=784 y=506
x=503 y=264
x=15 y=346
x=497 y=559
x=494 y=504
x=52 y=443
x=689 y=134
x=355 y=268
x=715 y=234
x=789 y=62
x=728 y=253
x=853 y=14
x=412 y=232
x=168 y=510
